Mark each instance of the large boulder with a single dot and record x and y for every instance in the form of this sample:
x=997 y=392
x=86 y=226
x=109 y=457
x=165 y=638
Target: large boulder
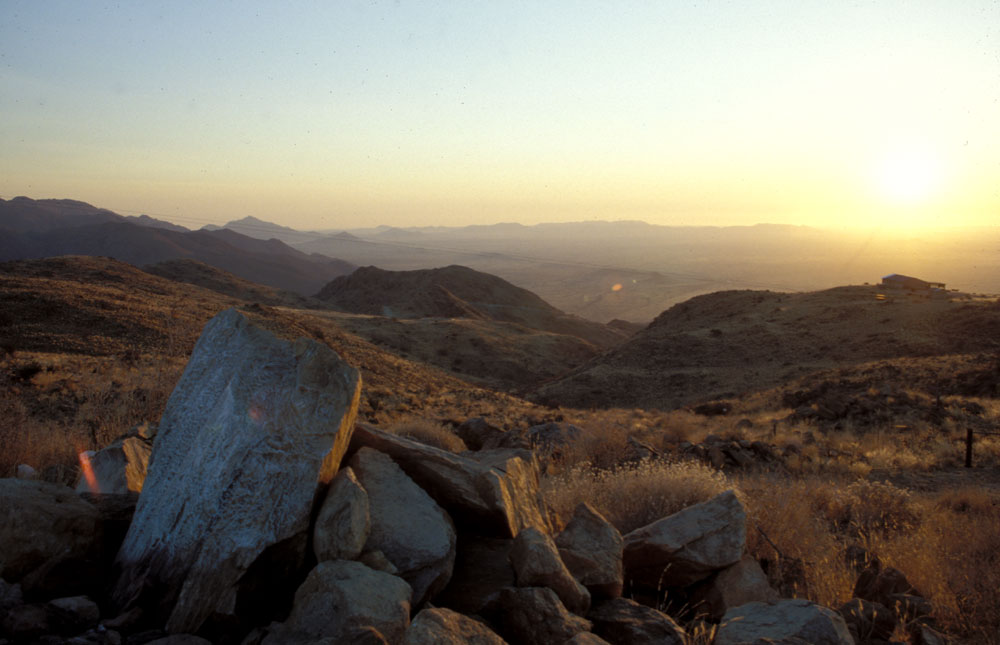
x=343 y=522
x=689 y=545
x=42 y=525
x=494 y=491
x=592 y=548
x=255 y=424
x=338 y=598
x=482 y=570
x=413 y=532
x=737 y=585
x=783 y=621
x=536 y=563
x=534 y=616
x=118 y=469
x=868 y=621
x=442 y=626
x=626 y=622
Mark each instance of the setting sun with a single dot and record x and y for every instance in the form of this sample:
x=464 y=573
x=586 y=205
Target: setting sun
x=909 y=175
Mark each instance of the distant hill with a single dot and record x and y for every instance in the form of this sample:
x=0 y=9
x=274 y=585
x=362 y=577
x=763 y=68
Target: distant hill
x=728 y=343
x=456 y=292
x=268 y=262
x=26 y=215
x=263 y=230
x=223 y=282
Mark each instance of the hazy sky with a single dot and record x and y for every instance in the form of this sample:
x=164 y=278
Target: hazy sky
x=347 y=114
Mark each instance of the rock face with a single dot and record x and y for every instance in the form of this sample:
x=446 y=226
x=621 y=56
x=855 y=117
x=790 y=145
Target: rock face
x=496 y=491
x=42 y=524
x=592 y=548
x=536 y=563
x=340 y=596
x=781 y=622
x=251 y=428
x=413 y=532
x=446 y=627
x=482 y=570
x=343 y=522
x=689 y=545
x=534 y=616
x=737 y=585
x=620 y=620
x=120 y=468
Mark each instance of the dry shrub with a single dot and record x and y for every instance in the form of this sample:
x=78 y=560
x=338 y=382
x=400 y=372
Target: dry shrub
x=428 y=432
x=634 y=495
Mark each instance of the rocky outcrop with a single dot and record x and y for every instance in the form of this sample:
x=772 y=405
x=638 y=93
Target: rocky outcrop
x=534 y=616
x=343 y=523
x=482 y=570
x=339 y=597
x=624 y=621
x=737 y=585
x=118 y=469
x=413 y=532
x=495 y=491
x=592 y=549
x=253 y=426
x=536 y=563
x=687 y=546
x=783 y=621
x=41 y=525
x=446 y=627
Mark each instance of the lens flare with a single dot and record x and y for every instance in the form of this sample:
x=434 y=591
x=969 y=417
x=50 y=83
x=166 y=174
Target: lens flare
x=88 y=471
x=617 y=287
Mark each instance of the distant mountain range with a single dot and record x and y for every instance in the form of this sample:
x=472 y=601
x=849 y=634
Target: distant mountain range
x=45 y=228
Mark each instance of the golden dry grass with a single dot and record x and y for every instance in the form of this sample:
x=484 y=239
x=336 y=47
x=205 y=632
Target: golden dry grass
x=428 y=432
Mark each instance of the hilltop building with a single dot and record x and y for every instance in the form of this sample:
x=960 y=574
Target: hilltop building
x=897 y=281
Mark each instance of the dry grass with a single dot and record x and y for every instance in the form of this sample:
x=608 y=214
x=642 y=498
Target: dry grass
x=428 y=432
x=632 y=496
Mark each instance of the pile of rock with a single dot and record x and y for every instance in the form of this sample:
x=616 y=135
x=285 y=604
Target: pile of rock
x=732 y=454
x=267 y=515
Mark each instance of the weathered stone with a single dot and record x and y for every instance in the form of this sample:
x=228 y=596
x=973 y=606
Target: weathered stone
x=781 y=622
x=339 y=596
x=10 y=596
x=343 y=522
x=117 y=469
x=377 y=560
x=921 y=634
x=880 y=585
x=179 y=639
x=26 y=622
x=42 y=524
x=736 y=585
x=74 y=614
x=476 y=432
x=625 y=621
x=636 y=450
x=493 y=491
x=442 y=626
x=24 y=471
x=482 y=569
x=592 y=548
x=868 y=620
x=253 y=426
x=586 y=638
x=413 y=532
x=534 y=616
x=536 y=563
x=689 y=545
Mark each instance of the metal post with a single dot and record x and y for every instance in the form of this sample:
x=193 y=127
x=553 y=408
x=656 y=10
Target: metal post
x=968 y=448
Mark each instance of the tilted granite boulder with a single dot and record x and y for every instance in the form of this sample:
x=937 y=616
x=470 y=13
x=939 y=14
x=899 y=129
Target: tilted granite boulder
x=43 y=524
x=592 y=549
x=415 y=534
x=342 y=525
x=494 y=491
x=254 y=425
x=536 y=563
x=442 y=626
x=783 y=621
x=687 y=546
x=534 y=616
x=118 y=469
x=620 y=620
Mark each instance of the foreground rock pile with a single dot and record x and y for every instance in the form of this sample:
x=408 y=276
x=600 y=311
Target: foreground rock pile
x=268 y=516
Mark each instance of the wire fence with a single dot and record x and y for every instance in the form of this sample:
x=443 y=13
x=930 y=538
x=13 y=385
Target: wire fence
x=970 y=440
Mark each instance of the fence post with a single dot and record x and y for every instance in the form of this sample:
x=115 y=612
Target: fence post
x=968 y=448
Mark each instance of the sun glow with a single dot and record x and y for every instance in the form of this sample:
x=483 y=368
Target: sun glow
x=909 y=175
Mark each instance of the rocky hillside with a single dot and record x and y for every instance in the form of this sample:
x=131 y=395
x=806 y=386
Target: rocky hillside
x=225 y=283
x=456 y=292
x=727 y=343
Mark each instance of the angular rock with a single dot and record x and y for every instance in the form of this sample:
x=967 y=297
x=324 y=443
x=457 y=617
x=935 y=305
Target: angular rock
x=24 y=471
x=494 y=491
x=42 y=524
x=119 y=468
x=534 y=616
x=253 y=426
x=592 y=549
x=442 y=626
x=586 y=638
x=10 y=596
x=26 y=622
x=74 y=614
x=881 y=585
x=625 y=621
x=476 y=432
x=553 y=437
x=687 y=546
x=179 y=639
x=867 y=620
x=536 y=563
x=343 y=522
x=737 y=585
x=482 y=569
x=413 y=532
x=783 y=621
x=377 y=560
x=340 y=596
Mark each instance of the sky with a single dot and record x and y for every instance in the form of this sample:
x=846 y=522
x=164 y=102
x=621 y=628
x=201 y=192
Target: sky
x=342 y=114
